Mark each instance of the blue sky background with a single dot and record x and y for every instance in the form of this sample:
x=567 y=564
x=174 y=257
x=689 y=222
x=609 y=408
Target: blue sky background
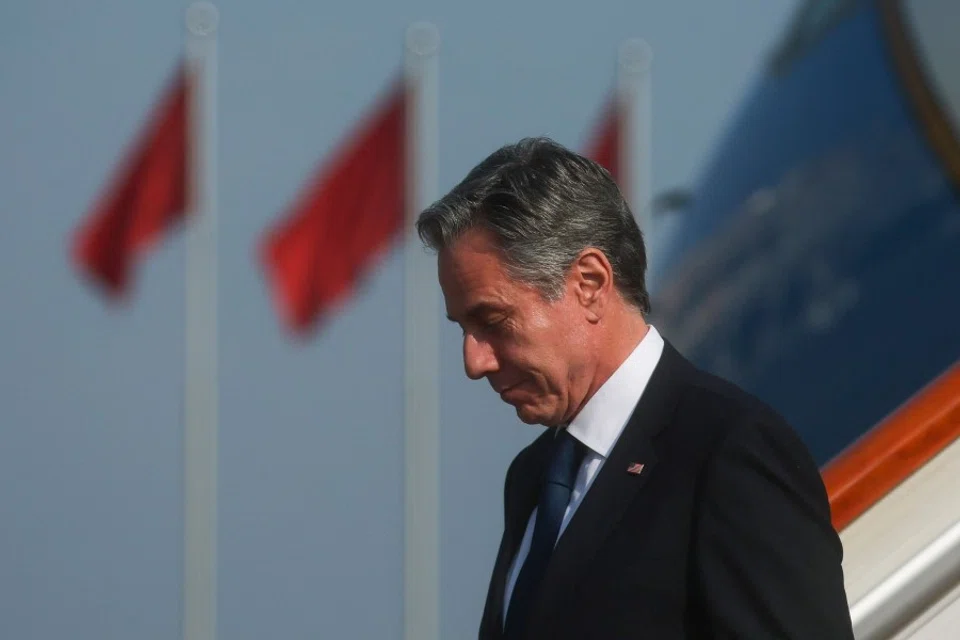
x=311 y=434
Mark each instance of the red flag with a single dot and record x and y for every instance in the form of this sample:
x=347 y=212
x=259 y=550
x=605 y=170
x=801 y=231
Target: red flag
x=147 y=196
x=343 y=221
x=604 y=146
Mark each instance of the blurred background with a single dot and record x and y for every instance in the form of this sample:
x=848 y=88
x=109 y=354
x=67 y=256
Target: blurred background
x=810 y=252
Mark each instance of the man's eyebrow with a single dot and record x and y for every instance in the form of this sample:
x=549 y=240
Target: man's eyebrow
x=478 y=310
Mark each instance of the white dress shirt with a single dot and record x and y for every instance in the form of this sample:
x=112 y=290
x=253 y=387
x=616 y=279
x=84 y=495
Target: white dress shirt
x=598 y=426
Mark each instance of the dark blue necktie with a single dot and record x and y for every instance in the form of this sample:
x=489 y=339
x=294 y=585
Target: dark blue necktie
x=554 y=497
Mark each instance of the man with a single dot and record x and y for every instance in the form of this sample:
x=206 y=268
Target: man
x=661 y=502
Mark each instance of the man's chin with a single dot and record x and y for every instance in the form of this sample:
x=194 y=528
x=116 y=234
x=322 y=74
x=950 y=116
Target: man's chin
x=530 y=415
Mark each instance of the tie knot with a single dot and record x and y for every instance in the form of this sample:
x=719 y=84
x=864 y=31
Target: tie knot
x=565 y=461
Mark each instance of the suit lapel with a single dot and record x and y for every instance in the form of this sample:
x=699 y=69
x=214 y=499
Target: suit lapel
x=612 y=490
x=521 y=496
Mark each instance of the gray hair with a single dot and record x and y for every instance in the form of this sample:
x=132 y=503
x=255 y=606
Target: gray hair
x=544 y=204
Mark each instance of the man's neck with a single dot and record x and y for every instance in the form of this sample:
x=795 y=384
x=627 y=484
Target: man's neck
x=621 y=337
x=619 y=343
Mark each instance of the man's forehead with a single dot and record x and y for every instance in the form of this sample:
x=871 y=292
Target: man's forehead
x=473 y=246
x=473 y=278
x=465 y=267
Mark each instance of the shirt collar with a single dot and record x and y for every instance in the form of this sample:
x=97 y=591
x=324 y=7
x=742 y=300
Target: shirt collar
x=602 y=419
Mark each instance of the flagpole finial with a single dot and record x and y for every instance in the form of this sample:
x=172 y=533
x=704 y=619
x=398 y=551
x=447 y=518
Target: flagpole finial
x=636 y=56
x=423 y=38
x=202 y=18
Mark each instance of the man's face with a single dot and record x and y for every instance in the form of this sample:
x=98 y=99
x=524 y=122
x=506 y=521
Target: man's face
x=534 y=352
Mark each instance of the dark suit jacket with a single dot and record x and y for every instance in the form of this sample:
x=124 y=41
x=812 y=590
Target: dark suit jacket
x=726 y=533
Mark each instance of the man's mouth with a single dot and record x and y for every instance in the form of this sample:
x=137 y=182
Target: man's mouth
x=502 y=390
x=508 y=391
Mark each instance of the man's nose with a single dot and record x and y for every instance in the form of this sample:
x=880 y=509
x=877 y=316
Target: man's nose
x=478 y=358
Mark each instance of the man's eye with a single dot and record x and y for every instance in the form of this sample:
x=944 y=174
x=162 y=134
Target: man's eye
x=495 y=323
x=487 y=325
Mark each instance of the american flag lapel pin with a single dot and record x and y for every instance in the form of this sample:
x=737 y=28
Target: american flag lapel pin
x=635 y=468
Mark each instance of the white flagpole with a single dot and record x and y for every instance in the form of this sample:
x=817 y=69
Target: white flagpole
x=421 y=583
x=201 y=388
x=633 y=88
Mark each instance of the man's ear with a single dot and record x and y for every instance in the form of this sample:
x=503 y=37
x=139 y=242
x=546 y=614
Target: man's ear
x=591 y=277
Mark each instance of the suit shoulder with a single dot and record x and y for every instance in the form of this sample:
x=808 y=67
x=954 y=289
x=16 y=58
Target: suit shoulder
x=716 y=408
x=718 y=422
x=720 y=395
